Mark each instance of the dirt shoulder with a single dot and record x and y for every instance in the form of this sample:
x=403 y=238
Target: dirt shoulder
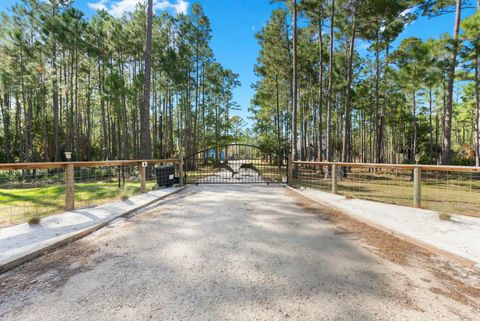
x=451 y=280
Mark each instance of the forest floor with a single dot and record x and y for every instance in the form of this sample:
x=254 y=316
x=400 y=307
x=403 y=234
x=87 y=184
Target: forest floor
x=239 y=252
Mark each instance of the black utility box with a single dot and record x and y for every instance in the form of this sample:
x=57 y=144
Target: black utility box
x=165 y=176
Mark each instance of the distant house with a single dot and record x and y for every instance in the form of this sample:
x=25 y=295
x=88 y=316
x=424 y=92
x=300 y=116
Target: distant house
x=210 y=154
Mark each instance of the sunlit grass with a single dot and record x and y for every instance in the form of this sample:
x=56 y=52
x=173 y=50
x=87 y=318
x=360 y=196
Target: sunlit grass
x=19 y=205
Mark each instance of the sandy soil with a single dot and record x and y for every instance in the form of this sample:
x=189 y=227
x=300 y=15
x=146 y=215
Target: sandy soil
x=458 y=235
x=239 y=252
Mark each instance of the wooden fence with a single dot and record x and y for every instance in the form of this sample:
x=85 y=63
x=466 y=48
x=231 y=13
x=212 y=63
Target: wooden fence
x=465 y=179
x=69 y=170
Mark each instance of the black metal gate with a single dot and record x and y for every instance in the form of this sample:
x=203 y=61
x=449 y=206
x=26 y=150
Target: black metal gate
x=235 y=164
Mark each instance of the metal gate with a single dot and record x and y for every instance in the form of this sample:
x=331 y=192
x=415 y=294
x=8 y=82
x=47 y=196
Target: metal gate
x=235 y=164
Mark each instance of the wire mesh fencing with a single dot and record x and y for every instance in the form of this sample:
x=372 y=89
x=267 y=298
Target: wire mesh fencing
x=451 y=192
x=102 y=184
x=385 y=185
x=445 y=189
x=314 y=176
x=29 y=192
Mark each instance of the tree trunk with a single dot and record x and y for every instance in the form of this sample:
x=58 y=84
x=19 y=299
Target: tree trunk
x=145 y=141
x=195 y=124
x=71 y=130
x=330 y=85
x=277 y=118
x=294 y=85
x=430 y=149
x=76 y=124
x=347 y=116
x=56 y=133
x=89 y=119
x=320 y=93
x=447 y=130
x=477 y=97
x=414 y=128
x=5 y=109
x=102 y=111
x=378 y=112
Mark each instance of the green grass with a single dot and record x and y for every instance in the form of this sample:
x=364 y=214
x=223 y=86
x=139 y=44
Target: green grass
x=18 y=205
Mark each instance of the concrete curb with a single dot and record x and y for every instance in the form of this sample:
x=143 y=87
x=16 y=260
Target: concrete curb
x=448 y=255
x=59 y=241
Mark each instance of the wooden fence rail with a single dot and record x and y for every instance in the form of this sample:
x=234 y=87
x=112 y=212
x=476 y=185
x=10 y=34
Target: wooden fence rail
x=440 y=168
x=69 y=168
x=46 y=165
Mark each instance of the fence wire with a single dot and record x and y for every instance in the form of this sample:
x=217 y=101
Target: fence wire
x=31 y=194
x=450 y=192
x=28 y=194
x=102 y=184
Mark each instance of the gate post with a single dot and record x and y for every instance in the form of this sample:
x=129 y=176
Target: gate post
x=417 y=187
x=181 y=173
x=290 y=171
x=334 y=179
x=143 y=176
x=69 y=187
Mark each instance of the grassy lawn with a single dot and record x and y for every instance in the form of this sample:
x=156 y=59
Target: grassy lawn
x=18 y=205
x=455 y=194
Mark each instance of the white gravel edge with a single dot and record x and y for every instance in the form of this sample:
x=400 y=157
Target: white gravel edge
x=457 y=239
x=21 y=243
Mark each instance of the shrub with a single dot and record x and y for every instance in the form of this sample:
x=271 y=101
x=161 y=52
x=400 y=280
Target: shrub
x=123 y=195
x=444 y=216
x=34 y=220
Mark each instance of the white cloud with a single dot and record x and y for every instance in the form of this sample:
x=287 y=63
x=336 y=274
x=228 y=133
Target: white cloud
x=179 y=7
x=100 y=5
x=118 y=7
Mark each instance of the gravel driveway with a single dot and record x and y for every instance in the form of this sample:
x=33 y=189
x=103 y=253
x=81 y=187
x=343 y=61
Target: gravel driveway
x=230 y=252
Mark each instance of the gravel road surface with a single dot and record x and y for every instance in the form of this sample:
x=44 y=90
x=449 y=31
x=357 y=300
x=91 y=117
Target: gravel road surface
x=238 y=252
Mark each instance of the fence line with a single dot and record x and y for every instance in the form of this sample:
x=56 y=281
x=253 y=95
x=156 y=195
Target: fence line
x=443 y=168
x=30 y=190
x=46 y=165
x=447 y=189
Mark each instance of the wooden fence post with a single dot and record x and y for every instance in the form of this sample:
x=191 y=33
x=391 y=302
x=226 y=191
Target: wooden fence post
x=143 y=178
x=290 y=171
x=69 y=187
x=334 y=179
x=181 y=174
x=417 y=187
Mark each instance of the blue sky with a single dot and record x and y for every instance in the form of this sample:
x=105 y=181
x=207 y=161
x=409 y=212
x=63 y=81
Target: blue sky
x=234 y=23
